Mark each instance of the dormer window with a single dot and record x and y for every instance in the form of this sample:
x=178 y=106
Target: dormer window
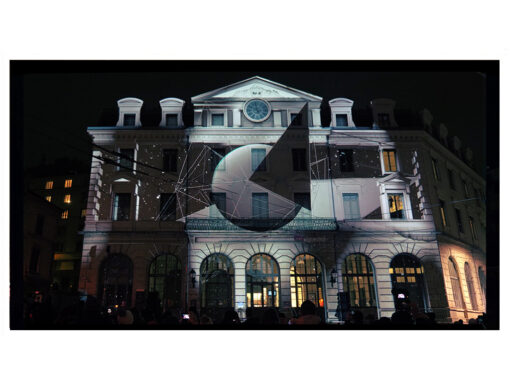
x=129 y=119
x=171 y=120
x=341 y=120
x=383 y=119
x=218 y=119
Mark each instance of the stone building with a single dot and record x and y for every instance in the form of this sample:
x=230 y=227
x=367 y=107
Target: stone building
x=259 y=205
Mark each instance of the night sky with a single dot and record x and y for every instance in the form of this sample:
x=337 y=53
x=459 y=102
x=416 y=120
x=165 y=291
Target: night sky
x=59 y=101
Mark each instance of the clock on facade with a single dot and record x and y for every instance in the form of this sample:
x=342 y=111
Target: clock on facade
x=257 y=110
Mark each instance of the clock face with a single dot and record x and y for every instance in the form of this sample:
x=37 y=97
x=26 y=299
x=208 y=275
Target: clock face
x=256 y=110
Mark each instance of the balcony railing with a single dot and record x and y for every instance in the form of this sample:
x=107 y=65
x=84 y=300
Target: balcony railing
x=221 y=224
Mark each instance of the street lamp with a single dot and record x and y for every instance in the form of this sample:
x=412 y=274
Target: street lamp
x=192 y=275
x=332 y=278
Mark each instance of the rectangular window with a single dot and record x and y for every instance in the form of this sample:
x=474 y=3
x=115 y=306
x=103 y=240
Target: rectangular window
x=216 y=159
x=346 y=161
x=396 y=205
x=126 y=159
x=390 y=160
x=48 y=198
x=121 y=206
x=472 y=227
x=65 y=214
x=443 y=213
x=259 y=205
x=67 y=199
x=68 y=183
x=49 y=185
x=129 y=119
x=295 y=119
x=258 y=159
x=39 y=224
x=302 y=199
x=171 y=120
x=383 y=119
x=167 y=207
x=34 y=259
x=351 y=206
x=435 y=170
x=218 y=120
x=341 y=120
x=219 y=201
x=170 y=160
x=451 y=179
x=459 y=220
x=466 y=189
x=299 y=160
x=83 y=212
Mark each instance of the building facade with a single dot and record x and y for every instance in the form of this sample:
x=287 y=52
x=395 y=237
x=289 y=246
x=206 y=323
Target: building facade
x=258 y=205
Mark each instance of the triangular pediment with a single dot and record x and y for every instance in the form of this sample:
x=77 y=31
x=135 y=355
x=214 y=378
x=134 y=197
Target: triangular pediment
x=395 y=177
x=256 y=87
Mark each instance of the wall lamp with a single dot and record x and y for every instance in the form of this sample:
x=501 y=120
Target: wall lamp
x=192 y=275
x=332 y=278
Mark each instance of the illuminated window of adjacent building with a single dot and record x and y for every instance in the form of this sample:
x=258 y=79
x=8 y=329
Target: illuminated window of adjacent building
x=65 y=214
x=258 y=159
x=443 y=213
x=435 y=169
x=67 y=198
x=129 y=119
x=170 y=160
x=48 y=198
x=396 y=206
x=121 y=206
x=126 y=159
x=167 y=207
x=262 y=282
x=472 y=228
x=217 y=154
x=383 y=119
x=458 y=216
x=217 y=282
x=299 y=160
x=451 y=179
x=306 y=281
x=351 y=206
x=346 y=160
x=358 y=281
x=165 y=280
x=341 y=120
x=68 y=183
x=407 y=277
x=83 y=212
x=49 y=185
x=218 y=200
x=455 y=282
x=218 y=119
x=471 y=286
x=171 y=120
x=390 y=160
x=259 y=204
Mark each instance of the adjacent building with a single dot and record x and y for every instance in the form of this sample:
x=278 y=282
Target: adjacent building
x=258 y=205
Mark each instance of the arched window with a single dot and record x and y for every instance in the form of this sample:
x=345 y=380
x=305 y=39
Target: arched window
x=455 y=281
x=481 y=276
x=116 y=280
x=262 y=282
x=407 y=278
x=165 y=280
x=216 y=282
x=470 y=286
x=358 y=280
x=306 y=282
